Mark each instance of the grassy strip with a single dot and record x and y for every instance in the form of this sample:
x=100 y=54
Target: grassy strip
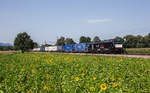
x=6 y=52
x=142 y=51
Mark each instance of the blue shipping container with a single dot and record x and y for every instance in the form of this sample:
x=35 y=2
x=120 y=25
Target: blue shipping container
x=60 y=48
x=42 y=49
x=68 y=48
x=82 y=47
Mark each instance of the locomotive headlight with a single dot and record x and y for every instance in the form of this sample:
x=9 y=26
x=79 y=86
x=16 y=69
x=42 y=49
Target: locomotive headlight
x=118 y=45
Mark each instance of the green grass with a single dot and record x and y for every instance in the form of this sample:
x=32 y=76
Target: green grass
x=142 y=51
x=7 y=52
x=63 y=73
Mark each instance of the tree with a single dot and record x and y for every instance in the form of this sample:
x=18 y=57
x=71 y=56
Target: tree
x=147 y=40
x=137 y=41
x=96 y=39
x=84 y=39
x=140 y=41
x=88 y=39
x=120 y=39
x=35 y=45
x=23 y=42
x=69 y=41
x=60 y=41
x=130 y=41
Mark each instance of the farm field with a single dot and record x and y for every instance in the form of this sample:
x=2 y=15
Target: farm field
x=63 y=73
x=6 y=52
x=140 y=51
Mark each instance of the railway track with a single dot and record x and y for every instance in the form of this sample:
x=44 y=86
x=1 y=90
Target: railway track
x=115 y=55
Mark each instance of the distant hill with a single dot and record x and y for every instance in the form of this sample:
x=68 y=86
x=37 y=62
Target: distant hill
x=5 y=44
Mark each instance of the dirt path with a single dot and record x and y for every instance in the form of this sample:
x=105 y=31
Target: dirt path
x=117 y=55
x=6 y=52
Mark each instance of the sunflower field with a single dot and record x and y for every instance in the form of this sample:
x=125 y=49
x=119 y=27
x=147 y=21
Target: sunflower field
x=64 y=73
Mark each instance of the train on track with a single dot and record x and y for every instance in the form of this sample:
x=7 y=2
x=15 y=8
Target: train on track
x=107 y=46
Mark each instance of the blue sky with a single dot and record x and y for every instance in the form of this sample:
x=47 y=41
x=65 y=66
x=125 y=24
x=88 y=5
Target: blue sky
x=45 y=20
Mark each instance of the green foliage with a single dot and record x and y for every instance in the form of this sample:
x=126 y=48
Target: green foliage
x=35 y=45
x=120 y=39
x=23 y=42
x=69 y=41
x=63 y=73
x=84 y=39
x=96 y=39
x=60 y=41
x=147 y=40
x=88 y=39
x=140 y=51
x=131 y=41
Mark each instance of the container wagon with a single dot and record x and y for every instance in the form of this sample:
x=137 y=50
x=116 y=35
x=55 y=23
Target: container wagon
x=60 y=49
x=36 y=49
x=81 y=47
x=68 y=48
x=51 y=49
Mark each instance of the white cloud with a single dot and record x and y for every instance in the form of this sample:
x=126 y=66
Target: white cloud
x=99 y=20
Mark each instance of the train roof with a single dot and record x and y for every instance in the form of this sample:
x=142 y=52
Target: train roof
x=106 y=41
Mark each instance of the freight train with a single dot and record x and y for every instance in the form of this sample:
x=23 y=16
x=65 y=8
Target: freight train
x=108 y=46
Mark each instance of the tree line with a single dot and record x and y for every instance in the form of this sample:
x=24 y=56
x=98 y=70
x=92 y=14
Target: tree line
x=24 y=42
x=83 y=39
x=132 y=41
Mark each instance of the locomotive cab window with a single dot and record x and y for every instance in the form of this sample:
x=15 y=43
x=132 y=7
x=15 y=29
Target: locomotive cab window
x=108 y=45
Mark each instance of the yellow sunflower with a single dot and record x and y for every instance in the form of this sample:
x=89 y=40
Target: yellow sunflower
x=45 y=87
x=48 y=88
x=77 y=79
x=115 y=84
x=82 y=74
x=103 y=86
x=29 y=91
x=91 y=88
x=94 y=78
x=119 y=78
x=33 y=71
x=112 y=79
x=48 y=76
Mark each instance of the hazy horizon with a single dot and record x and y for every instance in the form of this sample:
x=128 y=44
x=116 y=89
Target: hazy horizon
x=47 y=20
